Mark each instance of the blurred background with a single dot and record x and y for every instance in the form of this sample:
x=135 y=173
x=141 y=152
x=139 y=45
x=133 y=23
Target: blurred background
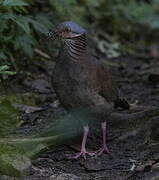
x=123 y=34
x=117 y=27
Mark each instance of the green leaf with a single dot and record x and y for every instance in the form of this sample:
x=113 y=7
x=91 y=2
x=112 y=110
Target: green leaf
x=26 y=43
x=21 y=9
x=7 y=16
x=2 y=56
x=3 y=68
x=23 y=23
x=14 y=3
x=4 y=24
x=14 y=164
x=9 y=73
x=38 y=26
x=41 y=18
x=28 y=49
x=9 y=118
x=93 y=3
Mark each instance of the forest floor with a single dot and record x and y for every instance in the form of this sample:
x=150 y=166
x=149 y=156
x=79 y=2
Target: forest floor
x=130 y=159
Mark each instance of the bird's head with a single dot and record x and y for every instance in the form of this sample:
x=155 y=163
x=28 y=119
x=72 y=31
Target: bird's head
x=67 y=30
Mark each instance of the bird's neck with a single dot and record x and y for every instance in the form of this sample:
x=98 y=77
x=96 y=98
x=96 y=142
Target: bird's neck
x=76 y=48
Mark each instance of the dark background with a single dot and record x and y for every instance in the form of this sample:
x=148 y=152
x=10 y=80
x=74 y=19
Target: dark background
x=123 y=34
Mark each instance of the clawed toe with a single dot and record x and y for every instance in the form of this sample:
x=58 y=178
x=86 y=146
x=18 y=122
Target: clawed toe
x=103 y=150
x=83 y=151
x=81 y=154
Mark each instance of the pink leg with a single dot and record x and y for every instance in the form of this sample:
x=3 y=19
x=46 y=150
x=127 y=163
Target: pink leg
x=83 y=151
x=104 y=147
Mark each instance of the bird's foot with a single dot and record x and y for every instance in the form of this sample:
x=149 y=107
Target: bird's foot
x=82 y=153
x=103 y=149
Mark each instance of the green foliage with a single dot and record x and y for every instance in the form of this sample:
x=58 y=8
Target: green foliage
x=5 y=71
x=13 y=163
x=9 y=118
x=68 y=10
x=122 y=18
x=126 y=19
x=17 y=150
x=14 y=3
x=18 y=31
x=139 y=12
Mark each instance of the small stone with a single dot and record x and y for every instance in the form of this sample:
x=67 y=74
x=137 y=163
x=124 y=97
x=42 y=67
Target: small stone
x=145 y=166
x=94 y=164
x=155 y=178
x=55 y=104
x=64 y=176
x=39 y=85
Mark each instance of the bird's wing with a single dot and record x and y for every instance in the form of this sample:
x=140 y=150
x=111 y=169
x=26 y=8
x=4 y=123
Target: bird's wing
x=109 y=89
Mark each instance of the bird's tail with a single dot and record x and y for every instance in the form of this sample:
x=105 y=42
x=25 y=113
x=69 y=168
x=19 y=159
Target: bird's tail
x=121 y=102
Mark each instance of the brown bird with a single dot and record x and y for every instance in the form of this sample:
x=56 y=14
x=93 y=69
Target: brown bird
x=80 y=80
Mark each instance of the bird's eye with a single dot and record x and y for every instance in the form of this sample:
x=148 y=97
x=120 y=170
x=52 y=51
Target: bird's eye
x=67 y=29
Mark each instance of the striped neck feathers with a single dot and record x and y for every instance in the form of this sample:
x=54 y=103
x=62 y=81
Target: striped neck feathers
x=76 y=48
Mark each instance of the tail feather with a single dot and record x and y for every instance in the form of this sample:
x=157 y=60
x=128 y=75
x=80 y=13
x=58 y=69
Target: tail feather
x=122 y=103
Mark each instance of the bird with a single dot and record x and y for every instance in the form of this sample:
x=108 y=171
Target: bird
x=81 y=80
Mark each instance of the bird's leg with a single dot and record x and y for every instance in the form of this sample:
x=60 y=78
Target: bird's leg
x=83 y=151
x=104 y=147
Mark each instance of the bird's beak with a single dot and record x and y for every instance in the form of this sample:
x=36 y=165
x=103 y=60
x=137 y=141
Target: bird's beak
x=52 y=34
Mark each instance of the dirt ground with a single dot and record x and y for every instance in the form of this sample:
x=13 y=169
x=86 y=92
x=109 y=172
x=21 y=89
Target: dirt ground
x=132 y=157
